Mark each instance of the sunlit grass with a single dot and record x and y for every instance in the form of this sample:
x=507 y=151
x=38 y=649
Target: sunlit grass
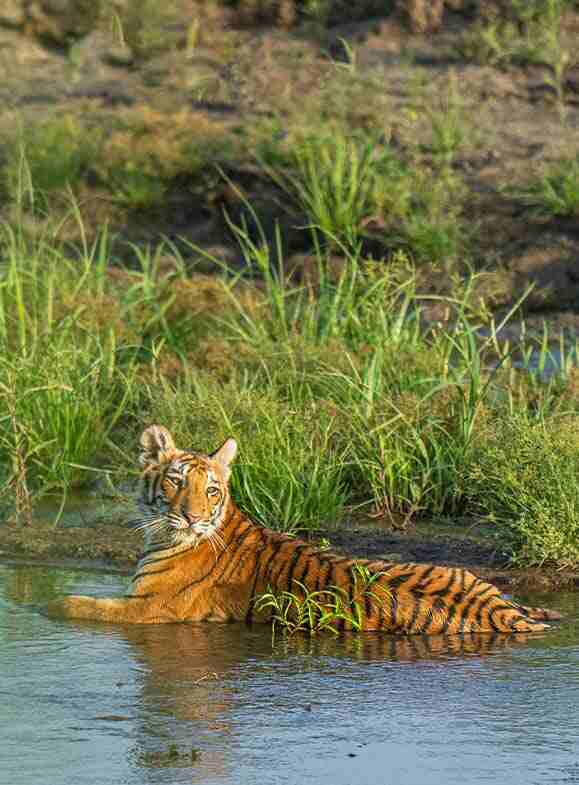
x=338 y=395
x=556 y=192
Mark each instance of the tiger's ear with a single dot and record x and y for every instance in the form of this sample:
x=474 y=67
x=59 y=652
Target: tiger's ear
x=225 y=454
x=154 y=441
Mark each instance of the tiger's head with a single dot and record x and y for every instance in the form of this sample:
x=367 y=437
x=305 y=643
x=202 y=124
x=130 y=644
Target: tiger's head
x=185 y=493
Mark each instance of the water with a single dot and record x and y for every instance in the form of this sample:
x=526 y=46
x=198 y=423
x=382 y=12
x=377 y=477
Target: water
x=95 y=704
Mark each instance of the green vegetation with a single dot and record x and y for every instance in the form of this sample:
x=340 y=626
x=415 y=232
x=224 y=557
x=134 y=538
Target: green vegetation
x=306 y=611
x=47 y=158
x=313 y=612
x=523 y=33
x=556 y=192
x=349 y=215
x=346 y=183
x=337 y=395
x=525 y=471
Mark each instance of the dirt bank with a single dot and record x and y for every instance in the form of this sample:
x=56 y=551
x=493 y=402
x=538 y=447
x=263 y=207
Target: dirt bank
x=188 y=110
x=116 y=548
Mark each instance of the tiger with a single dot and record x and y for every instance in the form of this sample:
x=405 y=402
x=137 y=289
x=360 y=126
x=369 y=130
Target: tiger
x=203 y=560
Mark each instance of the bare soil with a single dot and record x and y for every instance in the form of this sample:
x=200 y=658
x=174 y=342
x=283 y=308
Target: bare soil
x=232 y=80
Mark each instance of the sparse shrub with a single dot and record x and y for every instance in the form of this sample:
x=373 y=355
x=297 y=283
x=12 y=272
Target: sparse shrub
x=133 y=187
x=61 y=23
x=321 y=12
x=306 y=611
x=312 y=612
x=149 y=27
x=334 y=183
x=49 y=157
x=448 y=120
x=141 y=158
x=345 y=185
x=423 y=16
x=557 y=192
x=523 y=478
x=519 y=32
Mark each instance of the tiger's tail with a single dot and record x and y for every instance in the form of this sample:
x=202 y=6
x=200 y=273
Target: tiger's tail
x=540 y=614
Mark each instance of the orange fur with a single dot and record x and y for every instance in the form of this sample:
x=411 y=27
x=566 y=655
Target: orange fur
x=206 y=561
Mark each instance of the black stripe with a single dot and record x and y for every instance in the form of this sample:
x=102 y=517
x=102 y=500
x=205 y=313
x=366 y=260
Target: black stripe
x=393 y=612
x=437 y=605
x=337 y=561
x=164 y=558
x=330 y=578
x=415 y=615
x=368 y=604
x=381 y=612
x=293 y=563
x=504 y=605
x=492 y=622
x=305 y=569
x=450 y=614
x=321 y=580
x=477 y=591
x=446 y=587
x=473 y=598
x=234 y=550
x=259 y=551
x=483 y=606
x=396 y=581
x=423 y=582
x=279 y=566
x=138 y=575
x=266 y=568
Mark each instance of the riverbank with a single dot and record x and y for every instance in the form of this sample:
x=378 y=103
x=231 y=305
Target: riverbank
x=115 y=548
x=172 y=122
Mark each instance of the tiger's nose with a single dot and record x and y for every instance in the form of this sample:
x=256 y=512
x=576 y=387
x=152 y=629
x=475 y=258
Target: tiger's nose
x=193 y=519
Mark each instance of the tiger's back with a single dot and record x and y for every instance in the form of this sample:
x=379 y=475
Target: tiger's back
x=205 y=561
x=404 y=598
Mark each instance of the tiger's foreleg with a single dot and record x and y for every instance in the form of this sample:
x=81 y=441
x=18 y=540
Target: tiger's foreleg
x=128 y=610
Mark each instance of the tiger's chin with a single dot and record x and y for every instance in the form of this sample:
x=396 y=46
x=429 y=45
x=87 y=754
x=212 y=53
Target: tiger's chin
x=189 y=536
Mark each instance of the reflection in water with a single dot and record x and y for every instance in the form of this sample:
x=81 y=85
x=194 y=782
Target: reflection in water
x=221 y=704
x=374 y=646
x=185 y=695
x=33 y=586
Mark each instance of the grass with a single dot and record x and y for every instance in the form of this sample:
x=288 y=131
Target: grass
x=556 y=192
x=312 y=612
x=339 y=397
x=525 y=471
x=48 y=158
x=353 y=186
x=525 y=34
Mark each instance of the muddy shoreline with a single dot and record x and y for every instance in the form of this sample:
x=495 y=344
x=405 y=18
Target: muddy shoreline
x=115 y=549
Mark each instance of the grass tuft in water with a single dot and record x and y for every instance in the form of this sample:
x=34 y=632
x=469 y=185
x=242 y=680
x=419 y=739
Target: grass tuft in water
x=312 y=612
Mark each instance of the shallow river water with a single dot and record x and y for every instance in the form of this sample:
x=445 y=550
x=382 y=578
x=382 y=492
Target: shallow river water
x=223 y=705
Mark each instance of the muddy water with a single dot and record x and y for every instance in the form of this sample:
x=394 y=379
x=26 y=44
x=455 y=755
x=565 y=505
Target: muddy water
x=213 y=704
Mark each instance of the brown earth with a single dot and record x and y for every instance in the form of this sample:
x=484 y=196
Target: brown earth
x=215 y=79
